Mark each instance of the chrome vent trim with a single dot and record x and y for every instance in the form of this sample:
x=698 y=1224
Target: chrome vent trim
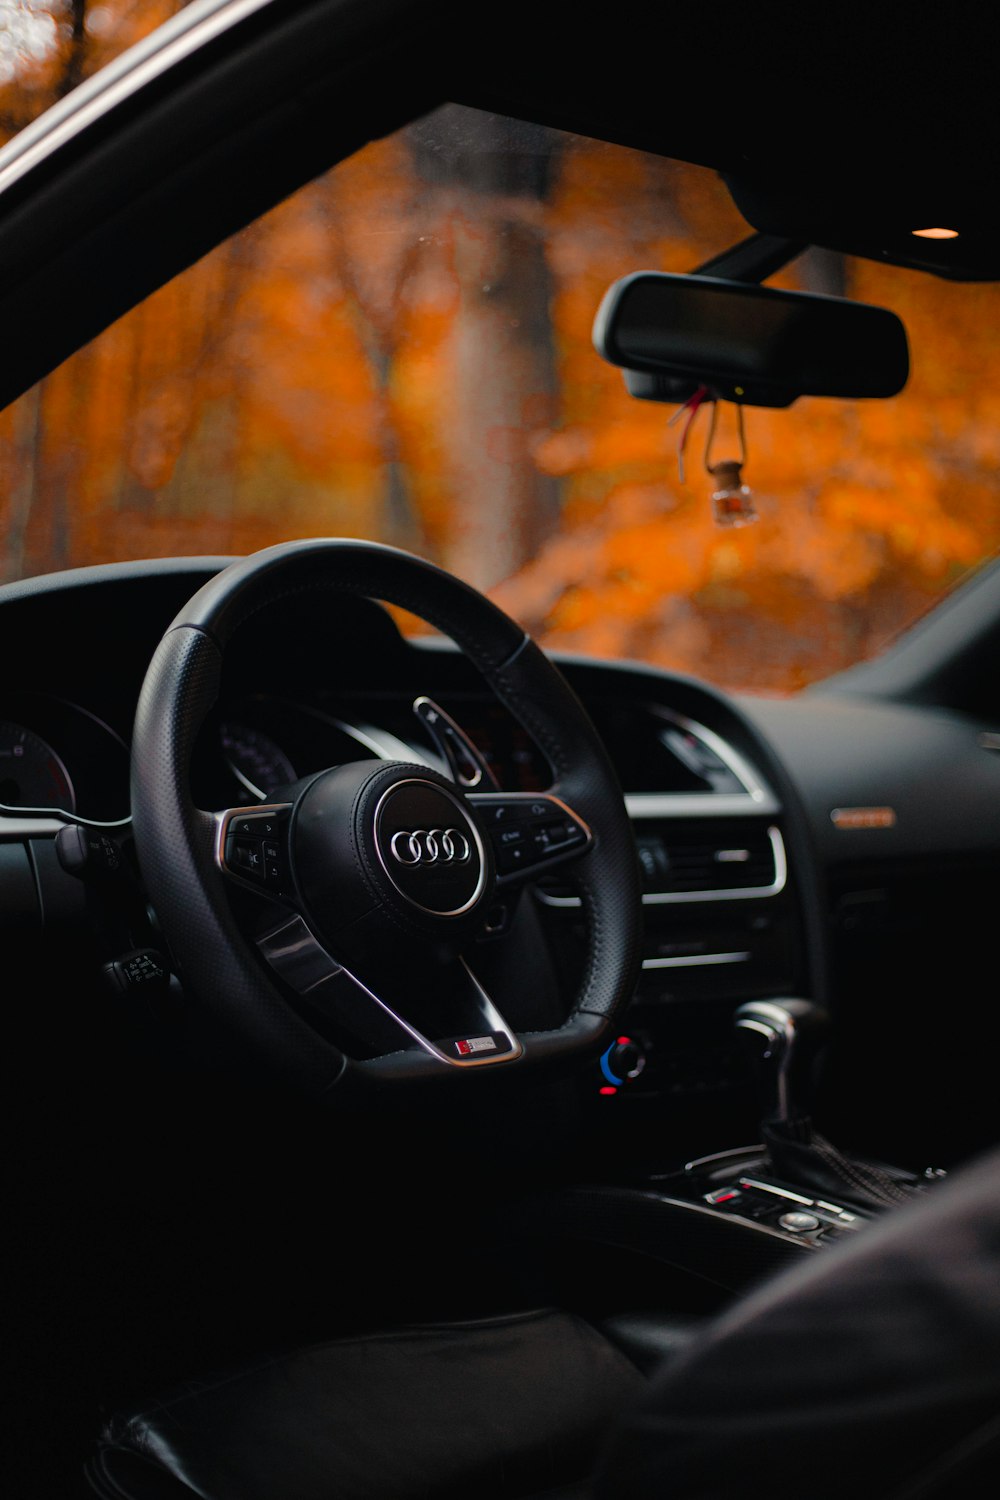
x=756 y=797
x=697 y=960
x=730 y=893
x=701 y=805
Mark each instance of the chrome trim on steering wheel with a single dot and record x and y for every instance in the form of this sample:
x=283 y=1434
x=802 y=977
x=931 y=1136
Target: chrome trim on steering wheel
x=431 y=846
x=299 y=958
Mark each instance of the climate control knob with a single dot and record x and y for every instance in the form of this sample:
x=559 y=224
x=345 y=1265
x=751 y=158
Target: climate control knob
x=624 y=1060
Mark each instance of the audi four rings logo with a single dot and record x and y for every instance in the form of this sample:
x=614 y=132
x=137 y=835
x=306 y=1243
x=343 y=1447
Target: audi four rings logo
x=430 y=846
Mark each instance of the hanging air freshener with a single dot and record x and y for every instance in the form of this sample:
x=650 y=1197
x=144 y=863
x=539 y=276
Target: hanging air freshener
x=732 y=501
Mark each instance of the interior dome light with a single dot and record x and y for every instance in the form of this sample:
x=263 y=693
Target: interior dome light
x=935 y=234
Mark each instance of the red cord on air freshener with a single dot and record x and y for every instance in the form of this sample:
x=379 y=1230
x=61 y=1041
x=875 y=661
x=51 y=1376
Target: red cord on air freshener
x=691 y=406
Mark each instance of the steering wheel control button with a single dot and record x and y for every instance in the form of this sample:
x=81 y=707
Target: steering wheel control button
x=797 y=1222
x=143 y=969
x=529 y=831
x=252 y=848
x=86 y=853
x=429 y=847
x=248 y=856
x=273 y=866
x=512 y=848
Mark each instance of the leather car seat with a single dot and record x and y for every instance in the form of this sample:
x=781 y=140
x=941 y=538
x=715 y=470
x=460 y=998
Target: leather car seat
x=874 y=1367
x=514 y=1405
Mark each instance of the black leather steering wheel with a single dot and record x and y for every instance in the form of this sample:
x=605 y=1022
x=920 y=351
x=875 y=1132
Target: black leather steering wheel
x=370 y=881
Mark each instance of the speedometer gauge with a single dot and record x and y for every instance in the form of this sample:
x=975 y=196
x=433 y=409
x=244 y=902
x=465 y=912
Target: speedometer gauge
x=31 y=773
x=254 y=759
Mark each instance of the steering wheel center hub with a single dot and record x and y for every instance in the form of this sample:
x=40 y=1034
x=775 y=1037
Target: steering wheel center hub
x=429 y=847
x=384 y=846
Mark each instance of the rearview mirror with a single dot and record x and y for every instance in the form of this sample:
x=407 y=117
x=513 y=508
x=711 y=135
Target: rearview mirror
x=751 y=344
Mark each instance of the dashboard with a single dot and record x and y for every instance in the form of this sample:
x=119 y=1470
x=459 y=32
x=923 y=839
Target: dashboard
x=750 y=889
x=314 y=683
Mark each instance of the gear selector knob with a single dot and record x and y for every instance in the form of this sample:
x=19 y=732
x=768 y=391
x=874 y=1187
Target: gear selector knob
x=785 y=1036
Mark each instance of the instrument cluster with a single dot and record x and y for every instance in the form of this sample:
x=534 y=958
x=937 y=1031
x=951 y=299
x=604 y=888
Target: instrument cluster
x=259 y=744
x=57 y=756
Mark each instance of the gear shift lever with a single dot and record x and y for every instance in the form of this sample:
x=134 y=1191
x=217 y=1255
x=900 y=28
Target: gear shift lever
x=788 y=1033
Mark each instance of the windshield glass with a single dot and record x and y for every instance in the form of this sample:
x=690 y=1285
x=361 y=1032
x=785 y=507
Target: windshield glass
x=402 y=351
x=47 y=47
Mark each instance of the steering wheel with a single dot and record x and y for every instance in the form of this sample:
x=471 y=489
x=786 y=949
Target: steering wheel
x=370 y=882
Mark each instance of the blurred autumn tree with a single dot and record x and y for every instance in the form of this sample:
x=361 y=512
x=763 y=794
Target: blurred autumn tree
x=402 y=350
x=47 y=47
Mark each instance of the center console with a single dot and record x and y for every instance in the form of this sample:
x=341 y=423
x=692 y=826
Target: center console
x=742 y=1185
x=734 y=1216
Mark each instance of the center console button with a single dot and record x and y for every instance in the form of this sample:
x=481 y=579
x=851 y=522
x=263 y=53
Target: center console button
x=799 y=1223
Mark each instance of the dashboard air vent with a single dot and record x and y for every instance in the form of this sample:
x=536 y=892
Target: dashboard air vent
x=714 y=860
x=726 y=863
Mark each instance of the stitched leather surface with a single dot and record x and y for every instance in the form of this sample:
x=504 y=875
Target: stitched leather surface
x=344 y=565
x=609 y=876
x=174 y=839
x=499 y=1407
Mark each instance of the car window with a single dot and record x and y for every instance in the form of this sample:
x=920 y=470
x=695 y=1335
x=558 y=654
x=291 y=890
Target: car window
x=47 y=47
x=403 y=351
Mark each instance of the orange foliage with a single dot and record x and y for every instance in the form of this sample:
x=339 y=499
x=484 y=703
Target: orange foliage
x=58 y=44
x=868 y=510
x=367 y=360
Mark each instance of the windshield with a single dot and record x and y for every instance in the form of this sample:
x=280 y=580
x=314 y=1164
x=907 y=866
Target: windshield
x=402 y=351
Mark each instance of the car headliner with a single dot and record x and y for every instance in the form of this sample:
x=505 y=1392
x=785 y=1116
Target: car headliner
x=842 y=136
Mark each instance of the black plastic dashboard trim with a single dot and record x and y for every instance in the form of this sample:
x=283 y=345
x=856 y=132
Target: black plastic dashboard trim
x=588 y=676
